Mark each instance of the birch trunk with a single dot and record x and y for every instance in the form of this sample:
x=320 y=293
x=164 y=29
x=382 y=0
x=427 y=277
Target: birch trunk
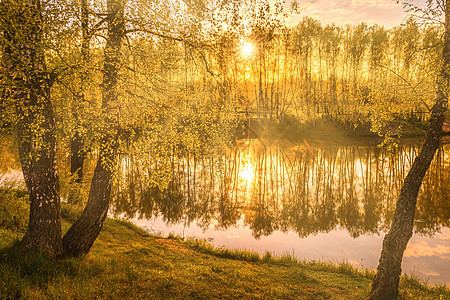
x=81 y=236
x=29 y=89
x=386 y=281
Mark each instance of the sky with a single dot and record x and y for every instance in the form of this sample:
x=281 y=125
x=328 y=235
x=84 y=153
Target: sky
x=387 y=13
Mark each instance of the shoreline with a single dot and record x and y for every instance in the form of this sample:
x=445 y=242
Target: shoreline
x=127 y=262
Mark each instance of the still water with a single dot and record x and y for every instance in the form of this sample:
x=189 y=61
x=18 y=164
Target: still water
x=315 y=202
x=312 y=200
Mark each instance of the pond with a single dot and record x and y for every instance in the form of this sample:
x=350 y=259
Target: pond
x=313 y=201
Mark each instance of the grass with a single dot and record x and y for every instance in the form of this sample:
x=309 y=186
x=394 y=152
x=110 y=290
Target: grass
x=128 y=263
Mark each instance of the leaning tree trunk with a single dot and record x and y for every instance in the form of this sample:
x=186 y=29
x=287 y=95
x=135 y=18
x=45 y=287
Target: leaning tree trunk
x=30 y=90
x=80 y=237
x=386 y=281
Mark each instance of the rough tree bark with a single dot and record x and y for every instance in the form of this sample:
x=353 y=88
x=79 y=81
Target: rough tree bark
x=29 y=82
x=386 y=281
x=81 y=236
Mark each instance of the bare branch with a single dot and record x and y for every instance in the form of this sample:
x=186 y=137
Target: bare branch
x=408 y=83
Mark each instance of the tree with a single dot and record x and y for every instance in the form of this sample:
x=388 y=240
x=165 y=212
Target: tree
x=27 y=86
x=80 y=237
x=385 y=283
x=78 y=153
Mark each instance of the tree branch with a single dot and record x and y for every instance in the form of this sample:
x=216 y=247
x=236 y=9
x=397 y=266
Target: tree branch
x=407 y=82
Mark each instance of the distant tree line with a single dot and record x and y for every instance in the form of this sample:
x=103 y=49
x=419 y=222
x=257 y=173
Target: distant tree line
x=153 y=78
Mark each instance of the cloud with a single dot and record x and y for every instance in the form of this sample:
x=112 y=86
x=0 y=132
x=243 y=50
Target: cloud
x=374 y=3
x=383 y=12
x=422 y=248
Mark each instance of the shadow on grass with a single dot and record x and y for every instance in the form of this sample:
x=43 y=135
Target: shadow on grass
x=21 y=271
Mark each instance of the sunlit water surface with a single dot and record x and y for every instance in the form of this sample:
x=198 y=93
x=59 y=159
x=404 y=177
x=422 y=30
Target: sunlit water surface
x=332 y=203
x=316 y=203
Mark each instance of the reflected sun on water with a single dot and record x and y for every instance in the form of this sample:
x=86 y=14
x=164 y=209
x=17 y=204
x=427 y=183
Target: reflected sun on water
x=247 y=170
x=280 y=198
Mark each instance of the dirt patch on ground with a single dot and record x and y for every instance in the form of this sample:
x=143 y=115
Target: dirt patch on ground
x=173 y=245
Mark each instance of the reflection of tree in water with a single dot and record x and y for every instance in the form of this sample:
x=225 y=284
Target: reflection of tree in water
x=433 y=207
x=261 y=209
x=228 y=208
x=308 y=190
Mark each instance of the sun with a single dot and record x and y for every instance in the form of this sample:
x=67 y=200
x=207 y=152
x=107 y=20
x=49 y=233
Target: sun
x=247 y=49
x=247 y=170
x=247 y=173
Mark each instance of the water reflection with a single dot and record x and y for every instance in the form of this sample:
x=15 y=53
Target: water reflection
x=332 y=203
x=308 y=190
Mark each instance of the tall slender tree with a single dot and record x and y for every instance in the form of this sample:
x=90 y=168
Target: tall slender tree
x=81 y=236
x=385 y=283
x=78 y=153
x=28 y=88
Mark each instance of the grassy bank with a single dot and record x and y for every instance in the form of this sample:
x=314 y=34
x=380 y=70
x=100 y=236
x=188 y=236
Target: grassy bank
x=126 y=262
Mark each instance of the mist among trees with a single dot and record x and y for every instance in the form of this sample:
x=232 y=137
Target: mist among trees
x=85 y=83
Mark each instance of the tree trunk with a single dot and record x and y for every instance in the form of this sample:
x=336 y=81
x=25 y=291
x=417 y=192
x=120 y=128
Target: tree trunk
x=39 y=170
x=78 y=153
x=30 y=90
x=78 y=156
x=81 y=236
x=386 y=281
